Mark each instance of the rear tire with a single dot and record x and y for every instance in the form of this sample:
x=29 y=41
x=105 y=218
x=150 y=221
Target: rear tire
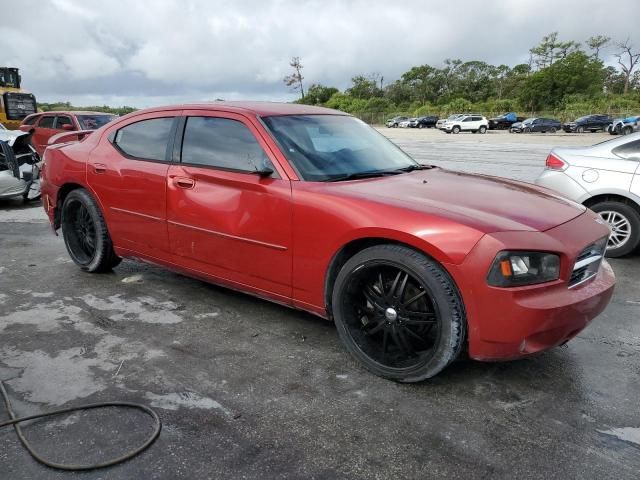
x=85 y=233
x=624 y=221
x=398 y=313
x=483 y=130
x=553 y=130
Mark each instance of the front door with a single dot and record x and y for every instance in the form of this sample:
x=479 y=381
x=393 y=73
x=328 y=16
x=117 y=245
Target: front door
x=128 y=173
x=224 y=218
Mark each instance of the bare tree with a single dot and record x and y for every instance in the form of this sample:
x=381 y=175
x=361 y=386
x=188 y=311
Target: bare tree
x=551 y=49
x=597 y=43
x=628 y=60
x=294 y=80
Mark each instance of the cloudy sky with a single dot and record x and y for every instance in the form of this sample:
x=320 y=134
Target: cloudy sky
x=149 y=52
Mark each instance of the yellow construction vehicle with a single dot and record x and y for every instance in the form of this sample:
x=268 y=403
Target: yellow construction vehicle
x=15 y=103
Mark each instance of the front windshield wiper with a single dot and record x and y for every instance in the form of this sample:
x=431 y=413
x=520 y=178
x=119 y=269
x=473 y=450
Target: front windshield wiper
x=356 y=175
x=412 y=168
x=378 y=173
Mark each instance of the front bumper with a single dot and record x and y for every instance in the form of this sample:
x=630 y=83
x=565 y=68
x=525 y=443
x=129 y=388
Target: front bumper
x=508 y=323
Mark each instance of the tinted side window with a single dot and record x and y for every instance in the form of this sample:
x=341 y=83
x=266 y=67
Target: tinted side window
x=147 y=139
x=63 y=120
x=31 y=120
x=628 y=150
x=222 y=143
x=477 y=119
x=46 y=122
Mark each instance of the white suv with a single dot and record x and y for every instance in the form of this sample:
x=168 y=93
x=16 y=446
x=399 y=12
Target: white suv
x=467 y=123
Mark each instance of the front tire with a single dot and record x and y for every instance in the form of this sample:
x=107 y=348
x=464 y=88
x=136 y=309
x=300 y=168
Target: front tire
x=580 y=130
x=398 y=313
x=85 y=233
x=455 y=129
x=624 y=221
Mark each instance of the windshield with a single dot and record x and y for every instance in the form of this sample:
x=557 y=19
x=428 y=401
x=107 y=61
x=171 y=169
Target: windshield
x=582 y=119
x=93 y=122
x=529 y=120
x=331 y=147
x=453 y=117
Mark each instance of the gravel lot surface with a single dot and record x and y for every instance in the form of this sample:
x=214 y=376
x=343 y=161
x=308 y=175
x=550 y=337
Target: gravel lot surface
x=250 y=389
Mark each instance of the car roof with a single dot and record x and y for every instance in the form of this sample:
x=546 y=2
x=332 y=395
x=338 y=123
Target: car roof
x=257 y=108
x=69 y=112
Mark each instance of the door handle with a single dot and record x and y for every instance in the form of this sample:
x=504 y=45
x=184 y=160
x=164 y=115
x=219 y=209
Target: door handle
x=99 y=168
x=184 y=182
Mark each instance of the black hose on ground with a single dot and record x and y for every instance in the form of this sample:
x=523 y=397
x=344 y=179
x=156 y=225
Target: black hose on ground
x=60 y=466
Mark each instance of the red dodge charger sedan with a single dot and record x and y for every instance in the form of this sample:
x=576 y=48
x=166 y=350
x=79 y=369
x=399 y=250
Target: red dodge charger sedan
x=312 y=208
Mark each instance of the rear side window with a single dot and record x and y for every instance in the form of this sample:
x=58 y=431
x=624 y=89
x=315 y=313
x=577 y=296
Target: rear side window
x=46 y=122
x=30 y=120
x=147 y=139
x=63 y=120
x=477 y=119
x=221 y=143
x=629 y=150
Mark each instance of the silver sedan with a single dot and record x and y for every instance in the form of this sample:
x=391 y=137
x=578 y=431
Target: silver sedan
x=606 y=178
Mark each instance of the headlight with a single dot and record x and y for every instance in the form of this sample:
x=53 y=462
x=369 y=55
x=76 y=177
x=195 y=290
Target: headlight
x=515 y=269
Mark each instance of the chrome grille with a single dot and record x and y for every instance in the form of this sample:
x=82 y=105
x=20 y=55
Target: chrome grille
x=588 y=263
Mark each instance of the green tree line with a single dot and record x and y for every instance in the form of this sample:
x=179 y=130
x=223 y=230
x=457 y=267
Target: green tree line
x=562 y=77
x=66 y=106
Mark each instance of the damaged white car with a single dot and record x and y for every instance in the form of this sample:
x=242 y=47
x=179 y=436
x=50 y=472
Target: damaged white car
x=19 y=166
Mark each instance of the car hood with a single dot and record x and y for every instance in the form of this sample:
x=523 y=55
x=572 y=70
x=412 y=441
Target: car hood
x=516 y=125
x=489 y=204
x=10 y=136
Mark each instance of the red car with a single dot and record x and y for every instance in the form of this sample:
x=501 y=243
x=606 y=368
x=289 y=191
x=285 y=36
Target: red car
x=43 y=126
x=312 y=208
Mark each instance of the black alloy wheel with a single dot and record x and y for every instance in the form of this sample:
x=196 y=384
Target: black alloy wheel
x=85 y=233
x=398 y=313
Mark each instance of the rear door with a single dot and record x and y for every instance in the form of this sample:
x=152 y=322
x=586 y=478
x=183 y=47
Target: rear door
x=223 y=218
x=128 y=172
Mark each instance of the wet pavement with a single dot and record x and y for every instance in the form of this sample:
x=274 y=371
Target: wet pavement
x=250 y=389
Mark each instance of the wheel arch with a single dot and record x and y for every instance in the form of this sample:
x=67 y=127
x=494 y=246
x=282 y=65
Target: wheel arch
x=353 y=246
x=62 y=194
x=612 y=197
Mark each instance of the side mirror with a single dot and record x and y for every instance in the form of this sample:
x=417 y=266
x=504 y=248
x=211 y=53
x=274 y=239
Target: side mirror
x=68 y=127
x=264 y=168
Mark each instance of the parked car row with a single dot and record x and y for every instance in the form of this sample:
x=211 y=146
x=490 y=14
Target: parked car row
x=510 y=121
x=426 y=121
